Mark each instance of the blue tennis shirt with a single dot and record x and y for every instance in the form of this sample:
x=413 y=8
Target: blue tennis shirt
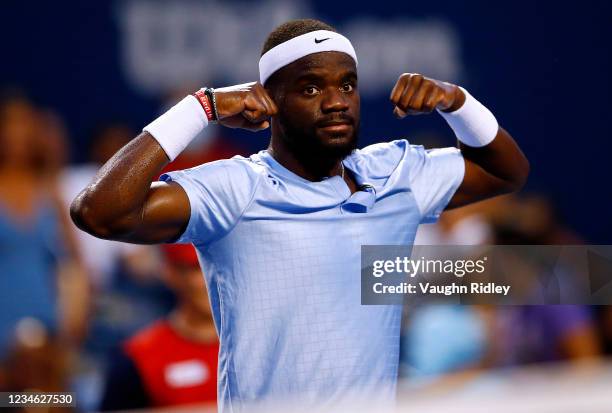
x=281 y=258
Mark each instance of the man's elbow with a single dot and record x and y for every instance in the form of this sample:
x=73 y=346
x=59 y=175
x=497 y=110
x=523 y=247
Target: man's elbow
x=84 y=216
x=87 y=215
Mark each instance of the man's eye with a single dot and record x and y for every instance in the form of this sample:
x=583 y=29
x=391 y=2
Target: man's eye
x=311 y=90
x=347 y=87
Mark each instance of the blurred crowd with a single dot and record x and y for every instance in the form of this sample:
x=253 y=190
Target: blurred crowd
x=127 y=326
x=122 y=325
x=443 y=342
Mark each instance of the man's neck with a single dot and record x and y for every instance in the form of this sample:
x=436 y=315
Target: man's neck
x=315 y=169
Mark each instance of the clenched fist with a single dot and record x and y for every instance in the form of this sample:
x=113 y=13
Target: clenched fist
x=245 y=106
x=415 y=94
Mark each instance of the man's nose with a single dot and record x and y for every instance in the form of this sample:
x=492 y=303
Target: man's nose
x=334 y=100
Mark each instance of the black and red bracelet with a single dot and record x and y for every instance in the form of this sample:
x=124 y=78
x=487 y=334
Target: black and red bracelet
x=204 y=100
x=210 y=92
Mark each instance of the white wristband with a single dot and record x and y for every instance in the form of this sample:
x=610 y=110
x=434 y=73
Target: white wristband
x=176 y=128
x=473 y=123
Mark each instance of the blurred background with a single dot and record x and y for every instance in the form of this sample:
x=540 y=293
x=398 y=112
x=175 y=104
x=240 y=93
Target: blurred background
x=120 y=324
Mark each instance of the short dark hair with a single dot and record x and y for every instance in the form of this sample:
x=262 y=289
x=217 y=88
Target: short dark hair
x=291 y=29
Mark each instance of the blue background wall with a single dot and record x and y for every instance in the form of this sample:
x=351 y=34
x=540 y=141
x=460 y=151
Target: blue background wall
x=543 y=68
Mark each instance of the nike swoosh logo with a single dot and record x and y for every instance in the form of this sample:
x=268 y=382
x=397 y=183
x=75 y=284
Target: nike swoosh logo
x=322 y=40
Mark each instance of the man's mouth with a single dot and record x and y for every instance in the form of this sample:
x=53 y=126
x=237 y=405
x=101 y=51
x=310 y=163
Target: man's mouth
x=336 y=126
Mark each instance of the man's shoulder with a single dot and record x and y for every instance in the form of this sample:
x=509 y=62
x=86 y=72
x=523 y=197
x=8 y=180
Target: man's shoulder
x=239 y=170
x=384 y=148
x=380 y=159
x=236 y=165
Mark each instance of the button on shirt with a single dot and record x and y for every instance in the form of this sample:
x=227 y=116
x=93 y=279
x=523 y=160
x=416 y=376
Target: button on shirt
x=281 y=257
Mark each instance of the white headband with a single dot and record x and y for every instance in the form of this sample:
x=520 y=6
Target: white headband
x=300 y=46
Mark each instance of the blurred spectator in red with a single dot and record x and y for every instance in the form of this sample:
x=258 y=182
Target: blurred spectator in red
x=127 y=292
x=42 y=276
x=174 y=361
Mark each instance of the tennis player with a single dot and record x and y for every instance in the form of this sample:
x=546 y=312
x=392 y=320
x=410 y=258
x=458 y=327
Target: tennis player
x=278 y=234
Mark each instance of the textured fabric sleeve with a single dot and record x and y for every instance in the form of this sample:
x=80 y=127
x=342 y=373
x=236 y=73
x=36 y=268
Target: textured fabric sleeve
x=434 y=176
x=218 y=193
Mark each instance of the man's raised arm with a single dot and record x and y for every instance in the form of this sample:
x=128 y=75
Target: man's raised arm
x=494 y=163
x=124 y=204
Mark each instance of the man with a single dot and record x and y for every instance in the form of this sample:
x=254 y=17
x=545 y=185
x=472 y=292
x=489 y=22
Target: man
x=279 y=233
x=174 y=361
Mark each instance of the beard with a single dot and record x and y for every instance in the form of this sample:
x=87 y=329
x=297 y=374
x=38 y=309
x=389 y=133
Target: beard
x=310 y=149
